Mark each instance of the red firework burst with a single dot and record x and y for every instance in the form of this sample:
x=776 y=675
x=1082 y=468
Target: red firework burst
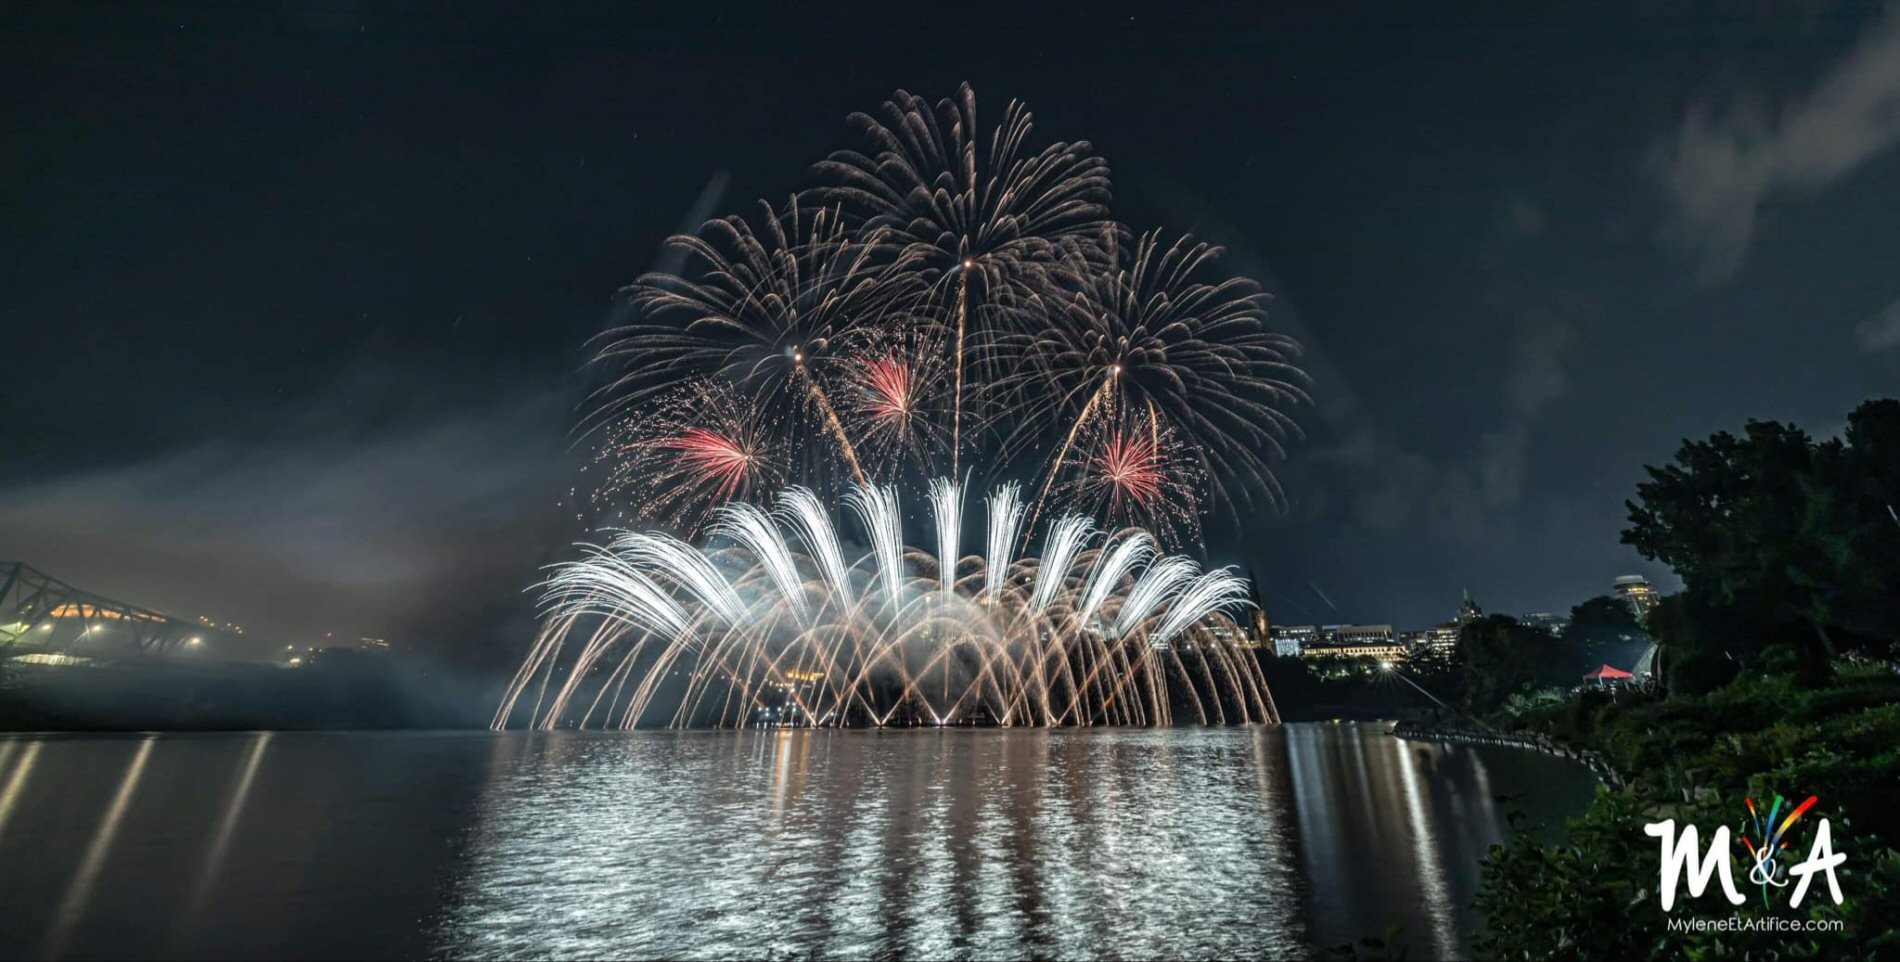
x=888 y=388
x=718 y=459
x=1130 y=465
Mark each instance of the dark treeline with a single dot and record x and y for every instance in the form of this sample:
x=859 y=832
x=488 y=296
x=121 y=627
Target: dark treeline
x=1778 y=678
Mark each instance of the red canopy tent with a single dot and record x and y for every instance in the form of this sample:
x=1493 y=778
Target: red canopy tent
x=1607 y=673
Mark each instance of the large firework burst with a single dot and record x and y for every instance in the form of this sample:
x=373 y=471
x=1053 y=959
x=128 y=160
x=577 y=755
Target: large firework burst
x=985 y=217
x=772 y=310
x=1156 y=337
x=952 y=301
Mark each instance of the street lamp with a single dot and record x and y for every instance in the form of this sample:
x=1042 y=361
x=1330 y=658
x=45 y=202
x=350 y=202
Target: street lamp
x=1388 y=668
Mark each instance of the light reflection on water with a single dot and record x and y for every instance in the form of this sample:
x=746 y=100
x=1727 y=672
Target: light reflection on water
x=976 y=844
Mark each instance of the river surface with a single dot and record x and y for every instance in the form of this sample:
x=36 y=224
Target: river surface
x=961 y=843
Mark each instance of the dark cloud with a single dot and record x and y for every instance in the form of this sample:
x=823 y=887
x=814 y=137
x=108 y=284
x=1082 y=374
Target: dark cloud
x=400 y=530
x=1880 y=332
x=1731 y=156
x=295 y=304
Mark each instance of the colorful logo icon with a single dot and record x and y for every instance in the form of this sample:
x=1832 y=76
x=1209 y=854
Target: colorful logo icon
x=1764 y=840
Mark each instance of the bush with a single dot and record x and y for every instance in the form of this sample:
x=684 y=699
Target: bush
x=1593 y=897
x=1699 y=672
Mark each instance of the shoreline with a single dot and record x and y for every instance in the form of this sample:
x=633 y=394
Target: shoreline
x=1533 y=741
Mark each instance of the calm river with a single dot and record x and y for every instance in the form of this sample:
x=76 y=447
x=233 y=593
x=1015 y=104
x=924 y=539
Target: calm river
x=978 y=844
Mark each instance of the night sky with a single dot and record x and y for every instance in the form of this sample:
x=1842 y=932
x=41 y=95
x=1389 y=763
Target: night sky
x=294 y=297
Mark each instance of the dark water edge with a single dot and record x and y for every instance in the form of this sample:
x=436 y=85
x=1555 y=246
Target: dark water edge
x=978 y=844
x=341 y=690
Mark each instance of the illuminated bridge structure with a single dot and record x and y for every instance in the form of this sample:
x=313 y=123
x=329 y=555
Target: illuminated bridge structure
x=44 y=616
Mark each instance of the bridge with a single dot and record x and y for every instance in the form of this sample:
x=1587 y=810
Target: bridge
x=43 y=616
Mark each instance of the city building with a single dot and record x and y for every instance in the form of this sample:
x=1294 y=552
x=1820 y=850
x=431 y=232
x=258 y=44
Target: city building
x=1438 y=641
x=1355 y=641
x=1357 y=635
x=1469 y=611
x=1554 y=623
x=1290 y=640
x=1257 y=635
x=1638 y=593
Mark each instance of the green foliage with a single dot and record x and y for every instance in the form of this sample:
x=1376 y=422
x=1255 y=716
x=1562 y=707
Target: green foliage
x=1503 y=657
x=1603 y=630
x=1593 y=896
x=1784 y=546
x=1774 y=524
x=1390 y=947
x=1693 y=757
x=1522 y=706
x=1699 y=672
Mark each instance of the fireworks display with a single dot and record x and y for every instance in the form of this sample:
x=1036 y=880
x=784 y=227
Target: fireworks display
x=948 y=306
x=691 y=449
x=769 y=624
x=1136 y=474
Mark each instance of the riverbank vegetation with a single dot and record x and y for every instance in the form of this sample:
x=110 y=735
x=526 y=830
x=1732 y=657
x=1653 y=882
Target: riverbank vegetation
x=1777 y=678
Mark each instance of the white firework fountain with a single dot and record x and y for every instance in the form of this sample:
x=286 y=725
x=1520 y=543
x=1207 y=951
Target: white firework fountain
x=766 y=623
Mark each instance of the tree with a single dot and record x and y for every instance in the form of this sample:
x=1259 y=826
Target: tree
x=1853 y=519
x=1502 y=655
x=1772 y=519
x=1603 y=629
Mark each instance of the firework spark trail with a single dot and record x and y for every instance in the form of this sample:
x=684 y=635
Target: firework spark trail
x=963 y=317
x=1081 y=420
x=768 y=307
x=895 y=403
x=1136 y=475
x=1107 y=575
x=1006 y=516
x=876 y=508
x=946 y=506
x=887 y=382
x=752 y=529
x=647 y=607
x=1000 y=214
x=685 y=566
x=837 y=427
x=610 y=585
x=1195 y=353
x=1065 y=541
x=1153 y=589
x=803 y=511
x=1211 y=591
x=689 y=451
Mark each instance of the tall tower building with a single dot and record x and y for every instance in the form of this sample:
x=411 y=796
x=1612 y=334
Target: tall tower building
x=1469 y=611
x=1257 y=633
x=1638 y=593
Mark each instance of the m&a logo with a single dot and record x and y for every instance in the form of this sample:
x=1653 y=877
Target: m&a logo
x=1765 y=843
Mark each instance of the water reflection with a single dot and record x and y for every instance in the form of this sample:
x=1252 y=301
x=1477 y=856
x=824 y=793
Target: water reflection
x=79 y=891
x=972 y=844
x=16 y=782
x=857 y=844
x=227 y=825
